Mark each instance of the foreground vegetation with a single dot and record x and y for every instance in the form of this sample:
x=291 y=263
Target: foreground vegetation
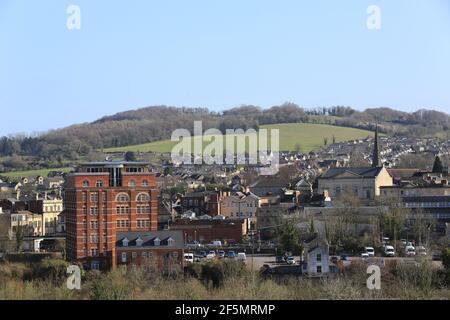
x=217 y=281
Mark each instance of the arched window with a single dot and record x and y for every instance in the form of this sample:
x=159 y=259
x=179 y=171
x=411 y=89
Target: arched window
x=99 y=184
x=143 y=197
x=122 y=197
x=144 y=183
x=132 y=183
x=85 y=184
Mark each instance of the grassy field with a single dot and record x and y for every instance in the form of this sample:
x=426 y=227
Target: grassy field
x=309 y=136
x=31 y=173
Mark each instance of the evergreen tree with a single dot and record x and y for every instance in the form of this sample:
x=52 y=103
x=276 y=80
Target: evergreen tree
x=437 y=166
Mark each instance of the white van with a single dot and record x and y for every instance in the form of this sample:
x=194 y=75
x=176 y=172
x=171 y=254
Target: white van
x=242 y=256
x=370 y=251
x=410 y=251
x=389 y=251
x=216 y=243
x=189 y=257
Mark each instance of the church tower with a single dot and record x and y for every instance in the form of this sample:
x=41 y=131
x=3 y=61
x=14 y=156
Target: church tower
x=376 y=152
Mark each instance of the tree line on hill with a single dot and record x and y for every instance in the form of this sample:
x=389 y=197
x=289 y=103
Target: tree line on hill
x=157 y=123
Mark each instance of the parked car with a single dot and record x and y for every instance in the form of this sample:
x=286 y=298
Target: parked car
x=385 y=240
x=389 y=251
x=290 y=260
x=437 y=256
x=370 y=251
x=242 y=256
x=193 y=245
x=216 y=243
x=203 y=254
x=421 y=251
x=231 y=254
x=279 y=259
x=221 y=254
x=410 y=251
x=189 y=257
x=365 y=255
x=344 y=257
x=212 y=252
x=334 y=259
x=210 y=256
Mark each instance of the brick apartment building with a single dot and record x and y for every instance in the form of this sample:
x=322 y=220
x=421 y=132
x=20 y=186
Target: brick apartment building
x=162 y=250
x=207 y=230
x=202 y=203
x=102 y=199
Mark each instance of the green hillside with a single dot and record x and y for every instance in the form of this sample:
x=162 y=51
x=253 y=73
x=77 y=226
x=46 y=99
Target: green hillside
x=32 y=173
x=308 y=135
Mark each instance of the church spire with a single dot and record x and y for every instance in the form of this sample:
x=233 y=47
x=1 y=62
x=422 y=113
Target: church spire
x=376 y=152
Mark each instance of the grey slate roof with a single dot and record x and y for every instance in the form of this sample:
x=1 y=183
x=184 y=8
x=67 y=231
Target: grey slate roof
x=363 y=172
x=148 y=238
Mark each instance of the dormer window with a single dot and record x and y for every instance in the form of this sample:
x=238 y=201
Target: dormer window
x=125 y=242
x=170 y=242
x=139 y=242
x=157 y=241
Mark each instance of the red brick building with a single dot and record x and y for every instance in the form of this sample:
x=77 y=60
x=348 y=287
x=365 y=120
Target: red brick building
x=206 y=231
x=101 y=199
x=162 y=250
x=206 y=202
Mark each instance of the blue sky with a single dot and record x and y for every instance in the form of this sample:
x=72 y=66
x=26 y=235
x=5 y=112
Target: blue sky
x=217 y=54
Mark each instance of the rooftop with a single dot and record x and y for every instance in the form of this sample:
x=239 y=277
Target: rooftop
x=365 y=172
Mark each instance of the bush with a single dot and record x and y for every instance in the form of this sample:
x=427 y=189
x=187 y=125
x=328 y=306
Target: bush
x=212 y=274
x=54 y=270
